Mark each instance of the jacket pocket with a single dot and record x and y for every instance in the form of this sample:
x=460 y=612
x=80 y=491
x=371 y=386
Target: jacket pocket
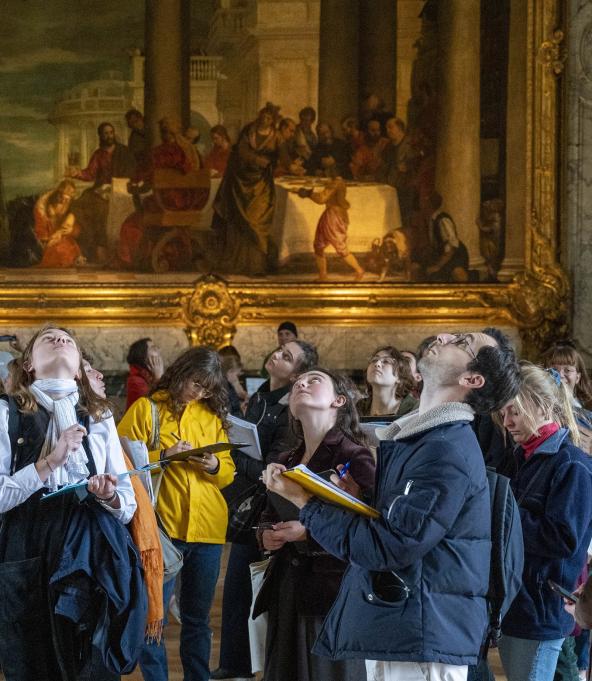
x=409 y=512
x=21 y=590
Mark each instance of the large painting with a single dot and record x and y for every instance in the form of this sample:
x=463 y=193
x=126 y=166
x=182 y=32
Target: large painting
x=264 y=178
x=349 y=146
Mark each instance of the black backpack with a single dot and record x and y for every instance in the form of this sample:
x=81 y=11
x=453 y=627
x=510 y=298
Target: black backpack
x=507 y=554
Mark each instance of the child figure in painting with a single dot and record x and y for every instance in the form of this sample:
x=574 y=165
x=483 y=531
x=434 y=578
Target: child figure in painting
x=332 y=226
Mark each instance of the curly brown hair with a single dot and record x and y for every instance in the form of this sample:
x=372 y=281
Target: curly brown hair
x=202 y=365
x=23 y=377
x=402 y=370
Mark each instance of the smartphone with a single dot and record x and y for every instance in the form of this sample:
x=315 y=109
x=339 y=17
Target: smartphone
x=564 y=593
x=7 y=338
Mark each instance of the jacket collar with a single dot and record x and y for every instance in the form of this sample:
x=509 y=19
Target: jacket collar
x=279 y=395
x=442 y=415
x=552 y=444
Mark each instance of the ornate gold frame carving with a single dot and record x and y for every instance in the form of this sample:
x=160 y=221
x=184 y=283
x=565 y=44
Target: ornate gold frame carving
x=536 y=302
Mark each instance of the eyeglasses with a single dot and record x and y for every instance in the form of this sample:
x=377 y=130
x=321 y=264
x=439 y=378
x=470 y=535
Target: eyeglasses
x=462 y=341
x=565 y=369
x=205 y=393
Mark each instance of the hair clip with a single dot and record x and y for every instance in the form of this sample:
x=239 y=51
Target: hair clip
x=555 y=375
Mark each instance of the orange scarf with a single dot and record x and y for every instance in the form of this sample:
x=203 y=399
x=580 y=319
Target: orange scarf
x=144 y=531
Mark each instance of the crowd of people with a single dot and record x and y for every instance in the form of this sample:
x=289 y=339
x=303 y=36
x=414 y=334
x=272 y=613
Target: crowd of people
x=399 y=595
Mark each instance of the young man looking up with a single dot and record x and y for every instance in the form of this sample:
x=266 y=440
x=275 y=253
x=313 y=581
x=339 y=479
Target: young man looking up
x=412 y=601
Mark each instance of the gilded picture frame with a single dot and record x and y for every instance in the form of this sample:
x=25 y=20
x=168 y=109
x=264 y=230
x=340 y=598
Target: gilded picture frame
x=209 y=308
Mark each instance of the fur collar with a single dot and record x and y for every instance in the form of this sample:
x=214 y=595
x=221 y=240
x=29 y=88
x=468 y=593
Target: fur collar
x=414 y=423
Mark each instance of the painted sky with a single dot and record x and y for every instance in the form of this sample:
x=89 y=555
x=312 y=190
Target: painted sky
x=48 y=47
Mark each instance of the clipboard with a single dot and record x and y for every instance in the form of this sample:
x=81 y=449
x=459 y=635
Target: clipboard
x=79 y=485
x=327 y=491
x=200 y=451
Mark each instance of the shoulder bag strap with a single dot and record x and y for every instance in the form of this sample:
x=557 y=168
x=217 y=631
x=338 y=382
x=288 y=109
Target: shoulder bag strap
x=154 y=442
x=532 y=480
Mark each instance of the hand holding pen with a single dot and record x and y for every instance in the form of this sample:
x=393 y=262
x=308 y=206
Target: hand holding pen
x=344 y=480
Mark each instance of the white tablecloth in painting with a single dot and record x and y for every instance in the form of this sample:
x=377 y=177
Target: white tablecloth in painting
x=121 y=205
x=374 y=212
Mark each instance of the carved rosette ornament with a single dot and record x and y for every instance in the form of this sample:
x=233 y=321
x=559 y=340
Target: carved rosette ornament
x=552 y=54
x=210 y=313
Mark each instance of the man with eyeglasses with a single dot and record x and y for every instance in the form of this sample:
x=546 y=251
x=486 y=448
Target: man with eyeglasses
x=413 y=601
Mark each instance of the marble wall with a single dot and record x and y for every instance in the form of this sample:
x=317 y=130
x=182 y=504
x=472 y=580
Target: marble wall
x=340 y=347
x=577 y=243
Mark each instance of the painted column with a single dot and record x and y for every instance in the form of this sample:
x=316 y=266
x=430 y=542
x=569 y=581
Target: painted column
x=516 y=218
x=166 y=91
x=338 y=61
x=378 y=50
x=458 y=171
x=577 y=242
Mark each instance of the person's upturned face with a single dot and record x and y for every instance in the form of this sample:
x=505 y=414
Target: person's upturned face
x=107 y=137
x=265 y=120
x=382 y=371
x=95 y=378
x=448 y=356
x=373 y=131
x=285 y=336
x=569 y=375
x=313 y=390
x=284 y=362
x=54 y=349
x=516 y=424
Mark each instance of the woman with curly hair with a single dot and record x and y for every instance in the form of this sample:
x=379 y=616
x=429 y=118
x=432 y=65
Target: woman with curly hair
x=190 y=401
x=389 y=385
x=565 y=359
x=302 y=580
x=54 y=431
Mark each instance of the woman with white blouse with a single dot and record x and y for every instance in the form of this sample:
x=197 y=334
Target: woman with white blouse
x=54 y=431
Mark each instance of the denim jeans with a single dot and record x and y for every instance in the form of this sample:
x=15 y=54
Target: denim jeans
x=199 y=574
x=153 y=658
x=526 y=660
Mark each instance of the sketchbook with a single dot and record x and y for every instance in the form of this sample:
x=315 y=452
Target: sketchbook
x=245 y=432
x=327 y=491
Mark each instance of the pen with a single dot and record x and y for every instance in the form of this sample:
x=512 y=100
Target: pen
x=263 y=526
x=344 y=470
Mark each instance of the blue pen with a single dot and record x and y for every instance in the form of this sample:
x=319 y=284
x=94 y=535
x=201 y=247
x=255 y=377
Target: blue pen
x=344 y=470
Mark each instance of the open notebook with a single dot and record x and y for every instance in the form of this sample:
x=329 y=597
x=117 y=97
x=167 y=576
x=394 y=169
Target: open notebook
x=327 y=491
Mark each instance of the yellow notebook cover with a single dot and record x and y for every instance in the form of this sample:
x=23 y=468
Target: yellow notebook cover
x=327 y=491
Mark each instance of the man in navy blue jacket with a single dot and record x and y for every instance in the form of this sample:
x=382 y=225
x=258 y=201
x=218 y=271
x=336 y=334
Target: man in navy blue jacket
x=413 y=600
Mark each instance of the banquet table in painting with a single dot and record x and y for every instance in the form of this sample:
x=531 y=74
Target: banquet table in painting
x=121 y=205
x=374 y=211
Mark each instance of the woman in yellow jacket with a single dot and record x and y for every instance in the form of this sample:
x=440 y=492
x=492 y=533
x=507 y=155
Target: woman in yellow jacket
x=191 y=401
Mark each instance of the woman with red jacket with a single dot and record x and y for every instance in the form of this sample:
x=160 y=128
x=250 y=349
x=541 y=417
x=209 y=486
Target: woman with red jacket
x=145 y=369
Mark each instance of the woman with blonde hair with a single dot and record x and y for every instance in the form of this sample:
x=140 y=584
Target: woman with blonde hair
x=553 y=488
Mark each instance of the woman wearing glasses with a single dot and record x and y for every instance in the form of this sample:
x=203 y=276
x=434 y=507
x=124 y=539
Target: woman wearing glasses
x=191 y=402
x=389 y=385
x=565 y=359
